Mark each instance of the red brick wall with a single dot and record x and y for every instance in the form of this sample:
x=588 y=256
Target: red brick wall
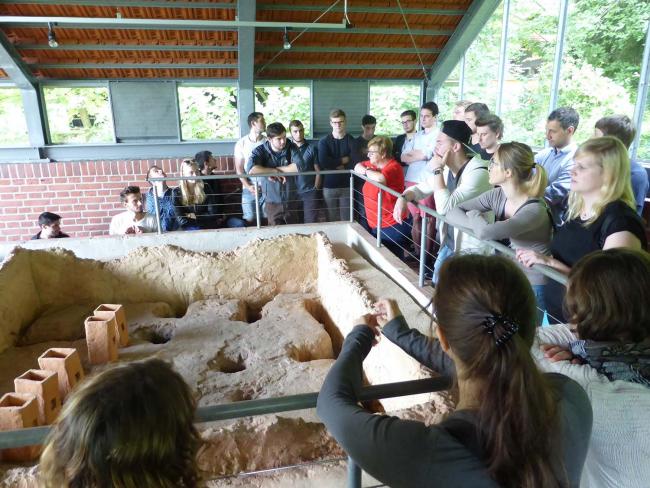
x=84 y=193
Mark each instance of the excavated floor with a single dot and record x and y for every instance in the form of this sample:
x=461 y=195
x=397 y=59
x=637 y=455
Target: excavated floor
x=262 y=321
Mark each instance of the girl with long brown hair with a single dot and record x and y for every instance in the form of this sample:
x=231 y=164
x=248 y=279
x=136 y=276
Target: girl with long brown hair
x=513 y=426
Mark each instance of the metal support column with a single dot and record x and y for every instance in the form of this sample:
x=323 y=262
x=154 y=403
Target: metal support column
x=559 y=52
x=258 y=217
x=423 y=250
x=642 y=94
x=351 y=197
x=503 y=53
x=156 y=207
x=354 y=474
x=380 y=201
x=246 y=58
x=461 y=79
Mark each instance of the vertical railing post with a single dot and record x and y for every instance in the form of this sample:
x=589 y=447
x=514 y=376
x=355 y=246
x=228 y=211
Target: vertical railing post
x=157 y=208
x=354 y=474
x=351 y=196
x=258 y=218
x=380 y=201
x=423 y=249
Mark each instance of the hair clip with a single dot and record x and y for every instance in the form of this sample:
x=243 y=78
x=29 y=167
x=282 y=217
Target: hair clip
x=510 y=328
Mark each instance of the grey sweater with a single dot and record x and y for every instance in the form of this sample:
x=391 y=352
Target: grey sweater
x=529 y=228
x=406 y=453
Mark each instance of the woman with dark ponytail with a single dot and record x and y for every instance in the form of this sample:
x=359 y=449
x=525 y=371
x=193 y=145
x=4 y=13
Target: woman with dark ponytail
x=513 y=427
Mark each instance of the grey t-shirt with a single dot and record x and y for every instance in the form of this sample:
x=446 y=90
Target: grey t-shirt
x=406 y=453
x=529 y=228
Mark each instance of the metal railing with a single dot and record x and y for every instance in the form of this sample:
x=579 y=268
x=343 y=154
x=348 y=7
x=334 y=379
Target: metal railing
x=248 y=408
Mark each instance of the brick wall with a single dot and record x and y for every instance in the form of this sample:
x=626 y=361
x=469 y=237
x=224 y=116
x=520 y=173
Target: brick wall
x=84 y=193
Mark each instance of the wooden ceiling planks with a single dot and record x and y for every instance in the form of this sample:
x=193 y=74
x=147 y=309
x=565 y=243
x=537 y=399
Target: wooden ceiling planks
x=365 y=49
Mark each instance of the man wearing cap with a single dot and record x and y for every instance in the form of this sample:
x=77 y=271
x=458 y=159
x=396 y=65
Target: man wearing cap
x=453 y=177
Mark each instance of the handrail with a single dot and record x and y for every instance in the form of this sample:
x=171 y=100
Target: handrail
x=248 y=408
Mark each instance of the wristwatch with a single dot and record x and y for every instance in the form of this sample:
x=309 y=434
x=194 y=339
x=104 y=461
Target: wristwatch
x=437 y=171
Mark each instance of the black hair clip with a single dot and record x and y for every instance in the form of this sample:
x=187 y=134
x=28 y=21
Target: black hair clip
x=510 y=328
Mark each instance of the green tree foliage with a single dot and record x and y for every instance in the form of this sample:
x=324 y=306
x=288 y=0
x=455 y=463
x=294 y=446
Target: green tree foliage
x=387 y=101
x=78 y=115
x=284 y=103
x=208 y=112
x=13 y=127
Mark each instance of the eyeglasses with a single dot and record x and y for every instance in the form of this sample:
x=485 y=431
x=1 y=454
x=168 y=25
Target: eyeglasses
x=407 y=121
x=372 y=152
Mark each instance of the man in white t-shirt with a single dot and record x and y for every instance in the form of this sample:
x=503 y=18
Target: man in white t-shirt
x=134 y=220
x=243 y=150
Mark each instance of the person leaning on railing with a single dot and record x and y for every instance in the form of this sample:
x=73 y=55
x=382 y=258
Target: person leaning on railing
x=608 y=308
x=385 y=170
x=521 y=215
x=513 y=425
x=196 y=208
x=601 y=215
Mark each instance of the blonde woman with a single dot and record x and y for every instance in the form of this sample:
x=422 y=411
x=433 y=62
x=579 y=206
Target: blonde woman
x=131 y=426
x=601 y=215
x=196 y=209
x=521 y=215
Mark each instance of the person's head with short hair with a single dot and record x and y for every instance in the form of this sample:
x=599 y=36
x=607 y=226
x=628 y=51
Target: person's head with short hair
x=129 y=426
x=277 y=135
x=131 y=198
x=600 y=173
x=338 y=123
x=428 y=115
x=256 y=122
x=382 y=146
x=409 y=121
x=489 y=129
x=50 y=224
x=368 y=126
x=560 y=126
x=205 y=161
x=459 y=109
x=608 y=296
x=454 y=137
x=514 y=162
x=486 y=321
x=618 y=126
x=297 y=131
x=473 y=112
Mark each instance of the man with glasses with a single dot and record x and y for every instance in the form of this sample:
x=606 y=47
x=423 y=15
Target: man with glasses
x=416 y=153
x=408 y=119
x=335 y=152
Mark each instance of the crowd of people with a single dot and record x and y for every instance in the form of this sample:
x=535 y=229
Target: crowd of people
x=562 y=405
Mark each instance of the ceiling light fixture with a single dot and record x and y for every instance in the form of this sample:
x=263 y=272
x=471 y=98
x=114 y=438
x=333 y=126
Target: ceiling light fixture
x=287 y=43
x=51 y=37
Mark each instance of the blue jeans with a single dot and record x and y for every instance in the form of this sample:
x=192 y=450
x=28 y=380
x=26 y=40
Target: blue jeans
x=248 y=205
x=541 y=304
x=443 y=254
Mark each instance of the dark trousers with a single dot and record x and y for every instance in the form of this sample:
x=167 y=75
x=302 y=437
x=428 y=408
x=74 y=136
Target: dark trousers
x=310 y=206
x=281 y=213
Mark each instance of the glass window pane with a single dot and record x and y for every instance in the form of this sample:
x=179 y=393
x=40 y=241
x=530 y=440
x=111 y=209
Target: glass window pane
x=387 y=101
x=208 y=112
x=449 y=94
x=78 y=114
x=482 y=62
x=284 y=103
x=532 y=32
x=594 y=81
x=13 y=126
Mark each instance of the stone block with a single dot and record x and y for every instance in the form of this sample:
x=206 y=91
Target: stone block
x=65 y=361
x=44 y=385
x=105 y=310
x=101 y=338
x=19 y=411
